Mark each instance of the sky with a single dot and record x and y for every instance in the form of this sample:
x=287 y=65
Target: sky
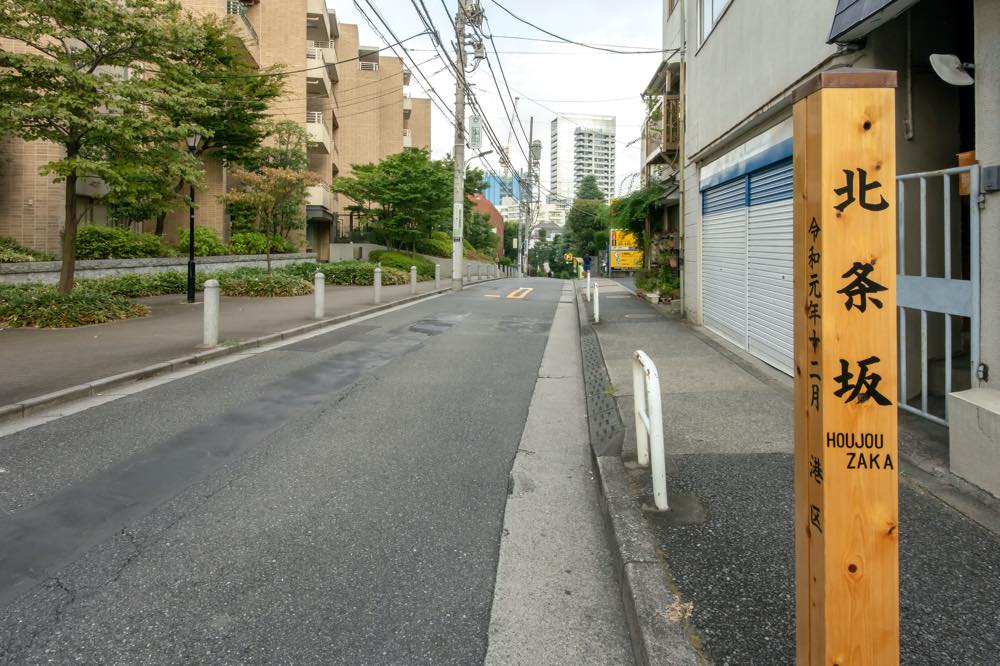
x=548 y=77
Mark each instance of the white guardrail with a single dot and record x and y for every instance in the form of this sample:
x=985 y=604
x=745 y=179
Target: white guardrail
x=649 y=424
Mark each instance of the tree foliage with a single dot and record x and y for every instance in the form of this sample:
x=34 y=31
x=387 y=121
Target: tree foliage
x=120 y=85
x=589 y=189
x=268 y=191
x=631 y=212
x=406 y=196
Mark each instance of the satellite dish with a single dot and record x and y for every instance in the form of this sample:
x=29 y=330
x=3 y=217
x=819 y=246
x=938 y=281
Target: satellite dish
x=951 y=69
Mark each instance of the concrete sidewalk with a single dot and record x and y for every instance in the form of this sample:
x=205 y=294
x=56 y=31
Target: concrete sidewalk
x=40 y=361
x=728 y=430
x=556 y=600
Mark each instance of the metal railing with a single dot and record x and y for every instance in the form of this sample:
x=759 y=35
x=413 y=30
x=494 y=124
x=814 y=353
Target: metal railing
x=649 y=424
x=315 y=117
x=237 y=8
x=940 y=295
x=367 y=66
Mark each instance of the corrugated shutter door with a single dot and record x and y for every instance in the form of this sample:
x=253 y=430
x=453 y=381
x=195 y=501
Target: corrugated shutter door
x=724 y=260
x=769 y=266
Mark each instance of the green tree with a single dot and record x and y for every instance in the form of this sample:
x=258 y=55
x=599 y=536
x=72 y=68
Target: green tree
x=589 y=189
x=403 y=197
x=267 y=192
x=72 y=82
x=588 y=220
x=228 y=98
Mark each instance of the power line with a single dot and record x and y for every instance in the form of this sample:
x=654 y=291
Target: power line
x=309 y=69
x=572 y=41
x=562 y=41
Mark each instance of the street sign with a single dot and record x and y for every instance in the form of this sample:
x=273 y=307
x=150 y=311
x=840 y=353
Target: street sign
x=475 y=132
x=624 y=250
x=568 y=257
x=846 y=463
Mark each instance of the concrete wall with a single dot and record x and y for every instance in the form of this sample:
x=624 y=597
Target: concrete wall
x=987 y=56
x=348 y=251
x=47 y=272
x=756 y=51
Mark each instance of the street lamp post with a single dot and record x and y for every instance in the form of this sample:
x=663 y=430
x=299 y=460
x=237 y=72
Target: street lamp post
x=192 y=144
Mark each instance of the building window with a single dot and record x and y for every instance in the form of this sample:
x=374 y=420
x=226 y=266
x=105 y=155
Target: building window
x=711 y=12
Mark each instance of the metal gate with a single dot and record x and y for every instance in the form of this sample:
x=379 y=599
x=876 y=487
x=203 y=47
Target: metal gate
x=935 y=291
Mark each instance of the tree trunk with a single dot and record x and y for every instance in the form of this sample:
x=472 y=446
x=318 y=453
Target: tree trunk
x=69 y=237
x=161 y=220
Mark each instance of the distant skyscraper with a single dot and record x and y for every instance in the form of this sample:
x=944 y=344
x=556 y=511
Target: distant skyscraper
x=581 y=145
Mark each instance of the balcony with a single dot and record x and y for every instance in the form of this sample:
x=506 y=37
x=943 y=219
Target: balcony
x=328 y=50
x=407 y=138
x=320 y=196
x=318 y=20
x=662 y=131
x=317 y=76
x=320 y=139
x=236 y=11
x=407 y=106
x=367 y=66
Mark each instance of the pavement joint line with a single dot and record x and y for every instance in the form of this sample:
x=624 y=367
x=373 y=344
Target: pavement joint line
x=35 y=411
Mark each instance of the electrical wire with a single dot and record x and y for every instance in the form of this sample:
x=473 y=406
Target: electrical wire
x=572 y=41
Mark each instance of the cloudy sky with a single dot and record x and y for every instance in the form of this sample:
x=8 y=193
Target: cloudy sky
x=548 y=77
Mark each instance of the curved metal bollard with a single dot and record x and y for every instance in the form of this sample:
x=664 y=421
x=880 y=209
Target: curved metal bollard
x=649 y=415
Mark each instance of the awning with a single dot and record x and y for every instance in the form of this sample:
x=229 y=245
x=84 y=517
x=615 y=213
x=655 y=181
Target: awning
x=855 y=19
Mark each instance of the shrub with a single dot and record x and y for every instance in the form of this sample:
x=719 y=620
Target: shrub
x=255 y=242
x=97 y=242
x=41 y=306
x=403 y=261
x=138 y=285
x=438 y=245
x=248 y=242
x=257 y=282
x=13 y=252
x=349 y=272
x=206 y=243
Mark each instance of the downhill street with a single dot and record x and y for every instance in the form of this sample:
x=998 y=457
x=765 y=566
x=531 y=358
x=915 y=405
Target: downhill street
x=336 y=500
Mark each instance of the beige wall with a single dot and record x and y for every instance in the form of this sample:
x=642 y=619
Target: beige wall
x=420 y=123
x=370 y=108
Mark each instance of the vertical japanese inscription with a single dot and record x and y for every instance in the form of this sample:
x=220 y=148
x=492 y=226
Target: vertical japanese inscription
x=845 y=348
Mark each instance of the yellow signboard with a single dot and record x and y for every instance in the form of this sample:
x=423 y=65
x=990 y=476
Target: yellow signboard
x=626 y=260
x=623 y=239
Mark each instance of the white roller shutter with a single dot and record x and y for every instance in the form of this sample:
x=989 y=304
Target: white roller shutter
x=724 y=260
x=769 y=266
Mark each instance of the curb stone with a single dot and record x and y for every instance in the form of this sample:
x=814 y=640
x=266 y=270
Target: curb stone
x=25 y=408
x=655 y=614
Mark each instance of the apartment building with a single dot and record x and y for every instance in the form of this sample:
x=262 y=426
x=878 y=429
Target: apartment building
x=378 y=117
x=304 y=37
x=737 y=63
x=581 y=145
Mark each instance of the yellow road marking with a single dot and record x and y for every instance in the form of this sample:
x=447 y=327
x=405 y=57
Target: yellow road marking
x=520 y=293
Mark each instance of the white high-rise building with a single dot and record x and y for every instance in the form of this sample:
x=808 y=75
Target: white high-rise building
x=581 y=145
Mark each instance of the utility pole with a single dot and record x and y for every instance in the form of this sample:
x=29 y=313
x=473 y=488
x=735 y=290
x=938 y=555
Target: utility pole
x=458 y=189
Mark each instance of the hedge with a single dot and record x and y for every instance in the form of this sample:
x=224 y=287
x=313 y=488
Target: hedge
x=403 y=261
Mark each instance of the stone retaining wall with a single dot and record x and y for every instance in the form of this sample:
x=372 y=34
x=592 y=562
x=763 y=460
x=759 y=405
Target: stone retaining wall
x=48 y=271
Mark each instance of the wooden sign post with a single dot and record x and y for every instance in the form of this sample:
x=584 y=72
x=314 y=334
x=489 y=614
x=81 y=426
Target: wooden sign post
x=846 y=463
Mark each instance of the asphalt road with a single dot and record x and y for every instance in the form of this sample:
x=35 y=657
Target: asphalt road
x=335 y=501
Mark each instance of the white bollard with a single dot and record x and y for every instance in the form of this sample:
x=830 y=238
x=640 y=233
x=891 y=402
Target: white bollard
x=413 y=279
x=210 y=337
x=597 y=305
x=437 y=276
x=588 y=285
x=319 y=296
x=378 y=285
x=649 y=425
